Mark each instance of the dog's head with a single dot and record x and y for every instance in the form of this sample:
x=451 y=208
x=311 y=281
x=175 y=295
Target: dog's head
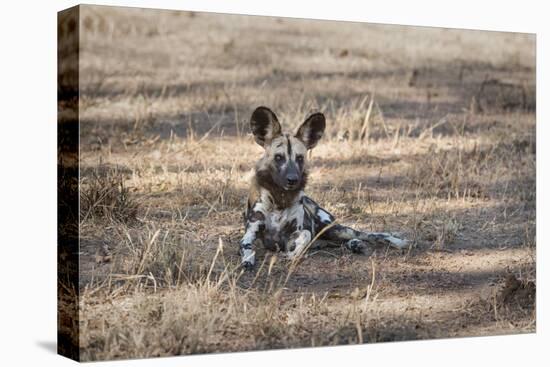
x=284 y=159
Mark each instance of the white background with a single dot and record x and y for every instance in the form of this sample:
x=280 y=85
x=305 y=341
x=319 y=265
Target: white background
x=28 y=181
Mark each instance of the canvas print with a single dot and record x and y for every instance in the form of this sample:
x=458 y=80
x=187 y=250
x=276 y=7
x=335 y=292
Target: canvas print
x=231 y=183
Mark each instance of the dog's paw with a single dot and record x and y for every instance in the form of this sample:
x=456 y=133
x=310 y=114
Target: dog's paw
x=298 y=243
x=248 y=266
x=248 y=258
x=358 y=246
x=355 y=245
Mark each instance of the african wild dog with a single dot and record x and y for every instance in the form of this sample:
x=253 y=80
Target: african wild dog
x=279 y=215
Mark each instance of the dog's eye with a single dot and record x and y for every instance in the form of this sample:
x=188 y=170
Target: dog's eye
x=300 y=158
x=279 y=158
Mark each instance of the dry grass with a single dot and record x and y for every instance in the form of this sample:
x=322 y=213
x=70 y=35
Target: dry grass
x=104 y=196
x=431 y=133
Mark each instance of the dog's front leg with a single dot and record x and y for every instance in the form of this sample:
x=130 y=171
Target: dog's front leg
x=255 y=228
x=298 y=243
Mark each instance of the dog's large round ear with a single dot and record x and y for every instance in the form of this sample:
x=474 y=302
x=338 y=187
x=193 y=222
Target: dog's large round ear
x=264 y=125
x=312 y=130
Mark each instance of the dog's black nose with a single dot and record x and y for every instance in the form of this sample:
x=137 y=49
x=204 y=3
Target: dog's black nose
x=292 y=180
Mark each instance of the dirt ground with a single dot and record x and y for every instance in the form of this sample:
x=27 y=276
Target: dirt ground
x=430 y=134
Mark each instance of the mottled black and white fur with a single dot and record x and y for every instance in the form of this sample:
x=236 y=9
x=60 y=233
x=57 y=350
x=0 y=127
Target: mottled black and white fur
x=279 y=216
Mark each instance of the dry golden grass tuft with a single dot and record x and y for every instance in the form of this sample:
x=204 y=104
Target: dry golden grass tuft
x=103 y=195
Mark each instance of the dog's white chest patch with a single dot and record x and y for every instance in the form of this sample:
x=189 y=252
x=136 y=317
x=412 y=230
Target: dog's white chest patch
x=277 y=219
